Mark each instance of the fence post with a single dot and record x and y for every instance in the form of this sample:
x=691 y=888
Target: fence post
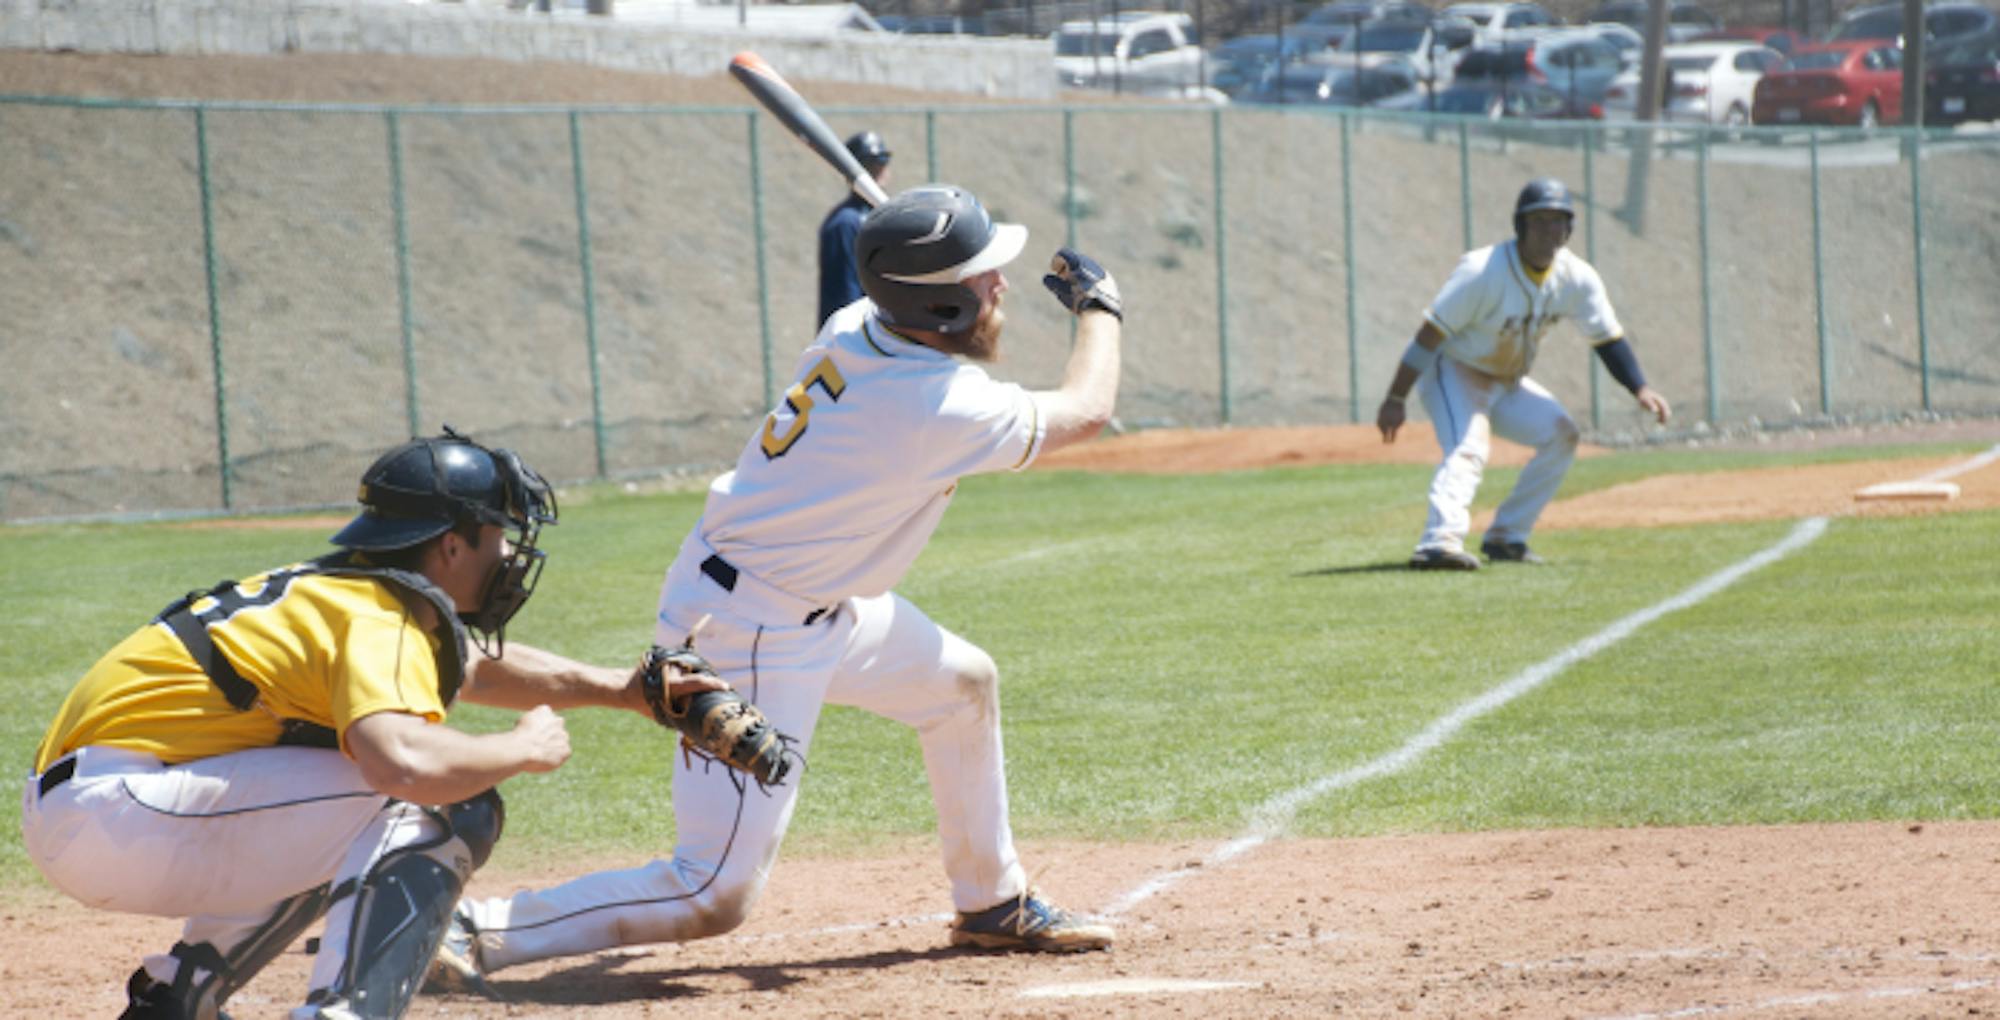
x=214 y=304
x=401 y=213
x=1465 y=185
x=1707 y=319
x=1591 y=366
x=1069 y=177
x=1221 y=262
x=1819 y=286
x=1917 y=235
x=589 y=285
x=757 y=242
x=1347 y=229
x=930 y=145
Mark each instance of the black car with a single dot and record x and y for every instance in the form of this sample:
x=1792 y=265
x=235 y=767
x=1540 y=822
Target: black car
x=1964 y=82
x=1944 y=24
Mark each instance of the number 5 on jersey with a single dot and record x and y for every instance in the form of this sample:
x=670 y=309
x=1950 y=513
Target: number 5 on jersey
x=827 y=378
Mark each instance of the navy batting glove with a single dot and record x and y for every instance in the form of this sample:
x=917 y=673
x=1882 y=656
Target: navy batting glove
x=1080 y=284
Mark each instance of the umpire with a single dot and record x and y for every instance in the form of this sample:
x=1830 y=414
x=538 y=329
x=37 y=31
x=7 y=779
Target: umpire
x=838 y=284
x=269 y=751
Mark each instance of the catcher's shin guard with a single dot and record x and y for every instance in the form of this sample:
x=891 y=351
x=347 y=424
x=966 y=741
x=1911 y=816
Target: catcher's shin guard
x=402 y=909
x=206 y=976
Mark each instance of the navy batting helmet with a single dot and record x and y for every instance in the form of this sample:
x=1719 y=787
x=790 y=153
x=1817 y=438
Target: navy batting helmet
x=914 y=253
x=425 y=487
x=869 y=149
x=1542 y=193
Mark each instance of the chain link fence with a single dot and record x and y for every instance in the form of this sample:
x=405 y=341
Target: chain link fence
x=230 y=306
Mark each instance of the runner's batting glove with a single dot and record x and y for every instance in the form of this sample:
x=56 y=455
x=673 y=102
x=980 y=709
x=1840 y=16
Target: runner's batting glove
x=715 y=725
x=1081 y=284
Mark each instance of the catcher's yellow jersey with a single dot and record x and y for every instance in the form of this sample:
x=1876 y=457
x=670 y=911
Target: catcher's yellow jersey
x=326 y=650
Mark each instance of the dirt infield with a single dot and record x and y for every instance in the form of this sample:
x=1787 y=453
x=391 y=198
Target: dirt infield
x=1848 y=921
x=1870 y=920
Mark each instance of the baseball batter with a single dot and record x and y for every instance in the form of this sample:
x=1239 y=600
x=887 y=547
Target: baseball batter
x=268 y=751
x=1471 y=358
x=792 y=566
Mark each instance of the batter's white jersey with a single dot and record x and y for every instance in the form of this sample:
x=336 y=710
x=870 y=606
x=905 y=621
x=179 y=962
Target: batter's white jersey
x=838 y=492
x=1493 y=314
x=788 y=577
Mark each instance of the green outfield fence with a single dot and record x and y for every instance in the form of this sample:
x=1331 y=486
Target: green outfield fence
x=229 y=306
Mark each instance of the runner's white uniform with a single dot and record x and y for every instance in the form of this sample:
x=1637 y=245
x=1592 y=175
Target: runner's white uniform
x=1493 y=313
x=829 y=504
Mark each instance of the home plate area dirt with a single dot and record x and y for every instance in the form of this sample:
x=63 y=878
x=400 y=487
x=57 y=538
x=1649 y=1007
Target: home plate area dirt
x=1871 y=920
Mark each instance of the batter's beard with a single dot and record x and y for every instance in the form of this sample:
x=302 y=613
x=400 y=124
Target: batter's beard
x=982 y=342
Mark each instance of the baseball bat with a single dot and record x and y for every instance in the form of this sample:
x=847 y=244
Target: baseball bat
x=802 y=120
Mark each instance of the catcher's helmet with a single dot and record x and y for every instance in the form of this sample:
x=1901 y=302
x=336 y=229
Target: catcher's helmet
x=423 y=488
x=914 y=253
x=869 y=149
x=1542 y=193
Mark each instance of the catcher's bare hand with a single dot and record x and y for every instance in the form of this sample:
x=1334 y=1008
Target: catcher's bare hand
x=544 y=739
x=1389 y=418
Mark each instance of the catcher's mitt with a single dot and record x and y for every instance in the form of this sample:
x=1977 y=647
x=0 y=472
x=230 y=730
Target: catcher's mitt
x=716 y=725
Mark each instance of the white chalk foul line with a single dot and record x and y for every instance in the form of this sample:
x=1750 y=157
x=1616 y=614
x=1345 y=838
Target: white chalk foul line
x=1274 y=816
x=1958 y=469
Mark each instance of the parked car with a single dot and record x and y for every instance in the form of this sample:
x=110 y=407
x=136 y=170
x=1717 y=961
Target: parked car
x=1579 y=65
x=1707 y=83
x=1495 y=21
x=1353 y=12
x=1240 y=63
x=1324 y=84
x=1629 y=43
x=1497 y=99
x=1944 y=23
x=1834 y=83
x=1964 y=82
x=932 y=24
x=1139 y=51
x=1387 y=40
x=1784 y=40
x=1685 y=20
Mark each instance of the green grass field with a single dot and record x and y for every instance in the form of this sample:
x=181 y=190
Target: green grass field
x=1177 y=650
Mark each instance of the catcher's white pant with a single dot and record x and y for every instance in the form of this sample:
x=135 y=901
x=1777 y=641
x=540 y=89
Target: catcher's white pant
x=881 y=654
x=219 y=841
x=1467 y=407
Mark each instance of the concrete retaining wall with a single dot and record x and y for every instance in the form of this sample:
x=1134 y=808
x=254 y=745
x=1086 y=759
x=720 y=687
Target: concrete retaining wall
x=991 y=67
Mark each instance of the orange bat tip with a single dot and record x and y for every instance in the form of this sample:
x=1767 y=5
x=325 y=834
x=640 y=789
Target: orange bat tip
x=749 y=61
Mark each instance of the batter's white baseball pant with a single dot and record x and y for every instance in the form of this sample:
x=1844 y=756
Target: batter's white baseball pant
x=1467 y=408
x=881 y=654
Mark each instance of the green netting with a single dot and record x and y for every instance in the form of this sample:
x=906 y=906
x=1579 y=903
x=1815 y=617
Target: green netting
x=621 y=291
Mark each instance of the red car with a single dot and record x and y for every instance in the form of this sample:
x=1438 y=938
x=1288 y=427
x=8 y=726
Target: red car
x=1858 y=82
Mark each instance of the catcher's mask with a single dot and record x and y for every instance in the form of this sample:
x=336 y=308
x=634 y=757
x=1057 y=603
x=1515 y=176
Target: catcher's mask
x=1542 y=193
x=426 y=487
x=914 y=253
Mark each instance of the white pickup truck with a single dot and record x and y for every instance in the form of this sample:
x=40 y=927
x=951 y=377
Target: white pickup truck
x=1138 y=51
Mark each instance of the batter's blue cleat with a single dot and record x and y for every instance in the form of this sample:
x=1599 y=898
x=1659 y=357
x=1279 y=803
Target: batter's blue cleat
x=1510 y=552
x=1443 y=559
x=1029 y=924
